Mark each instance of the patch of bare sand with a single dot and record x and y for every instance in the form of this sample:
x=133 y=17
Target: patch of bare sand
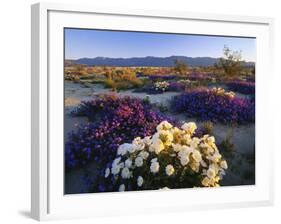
x=71 y=101
x=72 y=123
x=74 y=182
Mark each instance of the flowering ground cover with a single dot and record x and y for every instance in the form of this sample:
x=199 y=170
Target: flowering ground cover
x=170 y=158
x=162 y=77
x=243 y=87
x=215 y=105
x=195 y=76
x=154 y=88
x=165 y=86
x=113 y=121
x=177 y=86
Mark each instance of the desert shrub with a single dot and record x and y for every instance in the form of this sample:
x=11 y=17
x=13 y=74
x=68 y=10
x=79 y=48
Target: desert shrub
x=163 y=108
x=123 y=85
x=214 y=105
x=159 y=78
x=113 y=121
x=177 y=86
x=137 y=83
x=147 y=99
x=97 y=81
x=171 y=158
x=109 y=83
x=207 y=127
x=195 y=76
x=242 y=87
x=183 y=84
x=180 y=67
x=226 y=144
x=231 y=63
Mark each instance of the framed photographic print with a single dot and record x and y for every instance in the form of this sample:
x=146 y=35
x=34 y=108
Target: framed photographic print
x=164 y=111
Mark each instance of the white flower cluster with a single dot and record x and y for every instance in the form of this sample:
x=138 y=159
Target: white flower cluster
x=171 y=157
x=163 y=86
x=221 y=91
x=184 y=81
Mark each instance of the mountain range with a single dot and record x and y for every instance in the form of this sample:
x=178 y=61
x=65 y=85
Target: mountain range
x=147 y=61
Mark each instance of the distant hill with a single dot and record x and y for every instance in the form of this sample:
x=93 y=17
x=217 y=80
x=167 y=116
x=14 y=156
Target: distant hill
x=147 y=61
x=69 y=62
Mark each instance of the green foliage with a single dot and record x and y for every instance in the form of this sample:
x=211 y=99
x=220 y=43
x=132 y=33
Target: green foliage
x=208 y=127
x=146 y=100
x=180 y=67
x=123 y=85
x=97 y=81
x=121 y=79
x=231 y=63
x=108 y=74
x=137 y=83
x=163 y=108
x=227 y=145
x=109 y=83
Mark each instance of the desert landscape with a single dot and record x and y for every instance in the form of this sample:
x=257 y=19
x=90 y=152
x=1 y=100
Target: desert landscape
x=147 y=123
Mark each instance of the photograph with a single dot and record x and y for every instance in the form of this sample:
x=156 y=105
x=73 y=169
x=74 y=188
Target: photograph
x=157 y=111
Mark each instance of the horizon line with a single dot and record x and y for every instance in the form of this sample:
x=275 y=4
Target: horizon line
x=253 y=61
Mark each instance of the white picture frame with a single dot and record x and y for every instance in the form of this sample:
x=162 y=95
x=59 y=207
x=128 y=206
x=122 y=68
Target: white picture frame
x=48 y=201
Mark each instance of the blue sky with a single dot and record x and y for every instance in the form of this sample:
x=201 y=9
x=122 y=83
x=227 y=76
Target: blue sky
x=80 y=43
